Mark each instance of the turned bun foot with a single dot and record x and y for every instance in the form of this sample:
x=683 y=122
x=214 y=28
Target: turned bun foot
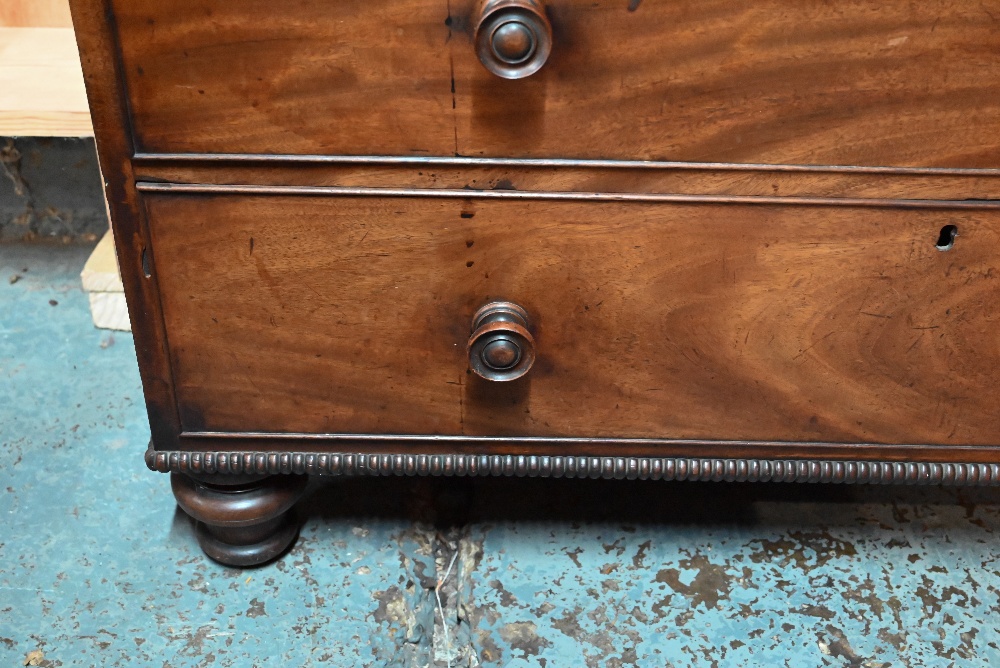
x=242 y=520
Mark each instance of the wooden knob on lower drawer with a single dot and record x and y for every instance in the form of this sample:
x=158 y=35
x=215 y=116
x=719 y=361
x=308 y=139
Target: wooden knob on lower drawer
x=501 y=348
x=513 y=37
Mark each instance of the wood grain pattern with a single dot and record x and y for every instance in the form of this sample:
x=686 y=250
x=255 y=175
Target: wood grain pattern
x=41 y=83
x=98 y=56
x=324 y=315
x=324 y=333
x=752 y=183
x=24 y=123
x=850 y=82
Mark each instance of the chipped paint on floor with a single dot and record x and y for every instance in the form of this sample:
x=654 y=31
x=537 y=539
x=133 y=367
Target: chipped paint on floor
x=885 y=578
x=98 y=568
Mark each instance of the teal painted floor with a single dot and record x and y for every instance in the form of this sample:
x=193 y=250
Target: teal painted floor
x=98 y=568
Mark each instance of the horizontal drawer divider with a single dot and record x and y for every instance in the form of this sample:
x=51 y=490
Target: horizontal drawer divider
x=343 y=191
x=462 y=161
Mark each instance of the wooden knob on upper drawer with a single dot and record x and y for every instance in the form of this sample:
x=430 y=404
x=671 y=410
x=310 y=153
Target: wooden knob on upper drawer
x=513 y=37
x=501 y=348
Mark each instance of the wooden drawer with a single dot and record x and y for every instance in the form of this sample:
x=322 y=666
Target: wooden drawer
x=347 y=313
x=852 y=82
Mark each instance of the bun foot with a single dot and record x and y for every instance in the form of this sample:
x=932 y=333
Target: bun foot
x=242 y=520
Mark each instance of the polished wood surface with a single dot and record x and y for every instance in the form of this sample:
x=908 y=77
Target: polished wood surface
x=501 y=346
x=829 y=323
x=733 y=239
x=721 y=180
x=95 y=36
x=850 y=82
x=309 y=210
x=242 y=520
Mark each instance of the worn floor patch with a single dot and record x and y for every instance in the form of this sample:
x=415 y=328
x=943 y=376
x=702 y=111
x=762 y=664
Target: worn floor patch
x=876 y=577
x=98 y=568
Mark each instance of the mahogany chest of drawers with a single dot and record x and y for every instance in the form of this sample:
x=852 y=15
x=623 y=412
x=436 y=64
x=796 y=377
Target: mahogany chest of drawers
x=714 y=240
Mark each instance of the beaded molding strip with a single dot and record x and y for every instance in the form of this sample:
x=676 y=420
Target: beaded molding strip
x=562 y=466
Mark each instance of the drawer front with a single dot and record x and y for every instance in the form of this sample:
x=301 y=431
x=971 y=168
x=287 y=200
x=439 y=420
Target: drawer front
x=352 y=314
x=895 y=83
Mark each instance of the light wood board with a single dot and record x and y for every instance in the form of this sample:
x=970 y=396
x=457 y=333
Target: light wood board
x=100 y=274
x=101 y=279
x=41 y=84
x=35 y=14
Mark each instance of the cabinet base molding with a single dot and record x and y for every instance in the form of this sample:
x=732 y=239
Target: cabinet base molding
x=571 y=466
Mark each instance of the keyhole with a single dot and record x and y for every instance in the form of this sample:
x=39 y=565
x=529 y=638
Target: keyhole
x=947 y=238
x=146 y=269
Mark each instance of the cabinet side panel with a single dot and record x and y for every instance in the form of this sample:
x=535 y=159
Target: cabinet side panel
x=94 y=24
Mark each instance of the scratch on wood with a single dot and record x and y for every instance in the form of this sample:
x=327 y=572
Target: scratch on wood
x=828 y=335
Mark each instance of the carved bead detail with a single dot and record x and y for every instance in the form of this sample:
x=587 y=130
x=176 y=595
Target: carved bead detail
x=568 y=466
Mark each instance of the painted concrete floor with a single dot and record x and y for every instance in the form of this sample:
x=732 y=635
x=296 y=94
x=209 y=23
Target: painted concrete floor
x=98 y=568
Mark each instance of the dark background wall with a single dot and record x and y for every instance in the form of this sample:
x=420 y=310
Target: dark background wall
x=50 y=189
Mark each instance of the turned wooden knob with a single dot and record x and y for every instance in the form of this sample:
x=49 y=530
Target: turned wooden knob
x=513 y=37
x=501 y=348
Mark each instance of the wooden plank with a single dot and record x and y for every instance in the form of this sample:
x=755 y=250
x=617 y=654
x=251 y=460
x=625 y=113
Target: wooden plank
x=690 y=321
x=110 y=311
x=35 y=14
x=45 y=124
x=101 y=279
x=42 y=84
x=100 y=274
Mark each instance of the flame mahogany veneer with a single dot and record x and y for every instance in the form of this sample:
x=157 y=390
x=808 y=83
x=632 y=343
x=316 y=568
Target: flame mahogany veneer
x=696 y=240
